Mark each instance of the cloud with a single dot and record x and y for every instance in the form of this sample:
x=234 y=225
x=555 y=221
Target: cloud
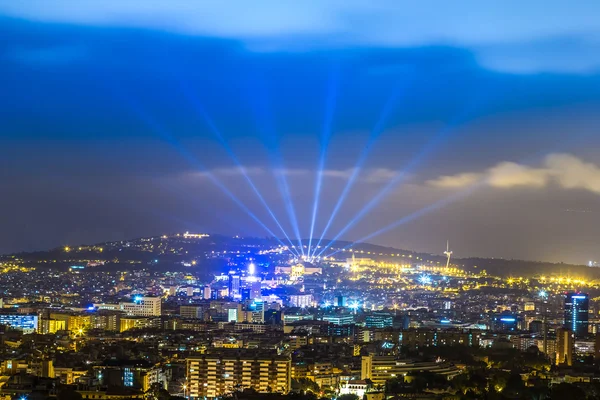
x=572 y=173
x=564 y=170
x=367 y=175
x=380 y=175
x=455 y=181
x=54 y=55
x=527 y=41
x=575 y=55
x=509 y=174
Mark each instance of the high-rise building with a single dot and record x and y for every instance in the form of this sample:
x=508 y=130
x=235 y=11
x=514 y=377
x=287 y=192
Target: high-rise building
x=136 y=374
x=339 y=319
x=194 y=311
x=565 y=343
x=76 y=321
x=140 y=306
x=255 y=290
x=256 y=312
x=206 y=293
x=301 y=300
x=245 y=294
x=536 y=326
x=234 y=286
x=51 y=325
x=214 y=374
x=143 y=306
x=106 y=320
x=576 y=313
x=28 y=323
x=379 y=320
x=597 y=346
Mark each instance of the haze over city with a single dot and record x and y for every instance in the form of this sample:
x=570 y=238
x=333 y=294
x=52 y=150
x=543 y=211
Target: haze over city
x=477 y=125
x=299 y=200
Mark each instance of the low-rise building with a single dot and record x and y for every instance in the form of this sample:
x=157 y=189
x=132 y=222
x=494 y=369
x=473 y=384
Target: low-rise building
x=216 y=373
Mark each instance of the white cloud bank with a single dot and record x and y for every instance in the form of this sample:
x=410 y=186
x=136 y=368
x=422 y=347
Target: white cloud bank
x=564 y=170
x=512 y=35
x=367 y=175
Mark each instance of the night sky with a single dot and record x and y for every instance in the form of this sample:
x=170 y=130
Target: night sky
x=478 y=124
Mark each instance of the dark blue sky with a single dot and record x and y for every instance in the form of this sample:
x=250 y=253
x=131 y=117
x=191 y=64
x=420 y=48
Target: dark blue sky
x=118 y=118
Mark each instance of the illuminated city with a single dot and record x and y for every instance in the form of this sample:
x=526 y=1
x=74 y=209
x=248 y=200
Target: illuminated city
x=184 y=304
x=299 y=200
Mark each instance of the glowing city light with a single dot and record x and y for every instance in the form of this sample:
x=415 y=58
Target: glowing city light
x=251 y=268
x=425 y=280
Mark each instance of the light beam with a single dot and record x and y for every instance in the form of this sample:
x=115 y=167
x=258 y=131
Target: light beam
x=377 y=130
x=157 y=128
x=423 y=211
x=439 y=138
x=242 y=169
x=275 y=155
x=330 y=104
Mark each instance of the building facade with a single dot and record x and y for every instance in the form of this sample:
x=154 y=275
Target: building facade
x=576 y=313
x=379 y=369
x=213 y=375
x=565 y=344
x=28 y=323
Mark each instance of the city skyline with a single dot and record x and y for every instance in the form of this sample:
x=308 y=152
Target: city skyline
x=284 y=200
x=121 y=125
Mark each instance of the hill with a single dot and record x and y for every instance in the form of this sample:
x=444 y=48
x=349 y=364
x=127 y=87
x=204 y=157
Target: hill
x=211 y=252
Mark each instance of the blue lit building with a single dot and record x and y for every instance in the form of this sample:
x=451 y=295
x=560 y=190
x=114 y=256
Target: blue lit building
x=576 y=313
x=379 y=320
x=28 y=323
x=134 y=374
x=339 y=319
x=341 y=330
x=505 y=322
x=234 y=286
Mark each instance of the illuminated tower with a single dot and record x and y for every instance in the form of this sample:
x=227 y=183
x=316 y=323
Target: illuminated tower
x=576 y=313
x=448 y=253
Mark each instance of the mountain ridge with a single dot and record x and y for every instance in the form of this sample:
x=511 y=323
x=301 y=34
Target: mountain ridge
x=176 y=249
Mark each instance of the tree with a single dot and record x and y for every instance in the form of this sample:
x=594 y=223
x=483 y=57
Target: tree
x=514 y=385
x=68 y=393
x=566 y=391
x=304 y=384
x=394 y=385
